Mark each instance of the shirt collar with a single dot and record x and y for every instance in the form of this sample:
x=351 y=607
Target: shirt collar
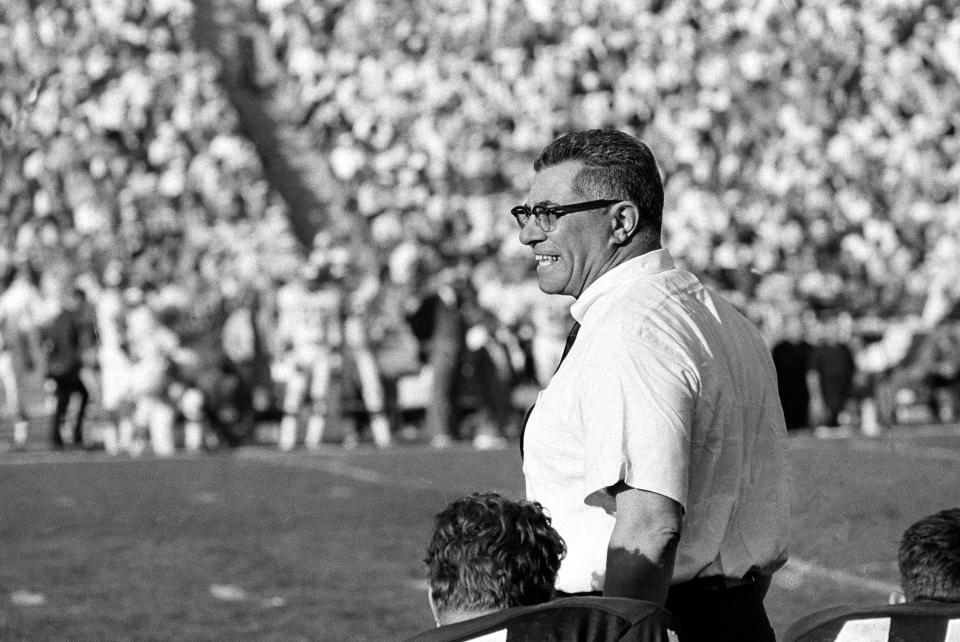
x=644 y=265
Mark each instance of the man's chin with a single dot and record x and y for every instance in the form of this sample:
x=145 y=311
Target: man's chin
x=548 y=286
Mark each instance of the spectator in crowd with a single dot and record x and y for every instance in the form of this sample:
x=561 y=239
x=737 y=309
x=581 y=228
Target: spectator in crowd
x=791 y=358
x=664 y=404
x=409 y=120
x=492 y=563
x=69 y=337
x=929 y=561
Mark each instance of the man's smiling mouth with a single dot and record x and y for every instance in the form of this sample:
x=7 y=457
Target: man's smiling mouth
x=546 y=259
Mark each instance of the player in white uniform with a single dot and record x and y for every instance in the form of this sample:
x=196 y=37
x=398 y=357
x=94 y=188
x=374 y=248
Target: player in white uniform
x=21 y=357
x=359 y=350
x=309 y=338
x=152 y=345
x=116 y=369
x=10 y=386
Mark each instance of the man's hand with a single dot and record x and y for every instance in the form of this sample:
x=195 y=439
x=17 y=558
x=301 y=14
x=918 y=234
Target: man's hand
x=643 y=545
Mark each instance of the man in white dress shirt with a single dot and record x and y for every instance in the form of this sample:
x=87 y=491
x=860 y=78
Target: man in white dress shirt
x=658 y=446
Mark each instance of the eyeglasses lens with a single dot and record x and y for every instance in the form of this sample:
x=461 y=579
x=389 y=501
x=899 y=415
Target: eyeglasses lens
x=522 y=214
x=546 y=219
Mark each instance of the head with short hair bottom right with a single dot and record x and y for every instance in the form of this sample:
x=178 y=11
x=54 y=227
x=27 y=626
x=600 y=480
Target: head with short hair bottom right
x=929 y=558
x=489 y=553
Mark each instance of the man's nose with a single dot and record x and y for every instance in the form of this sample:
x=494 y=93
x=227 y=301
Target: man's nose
x=531 y=233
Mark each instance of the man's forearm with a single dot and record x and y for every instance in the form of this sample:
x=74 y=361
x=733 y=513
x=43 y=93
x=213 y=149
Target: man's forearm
x=643 y=545
x=640 y=572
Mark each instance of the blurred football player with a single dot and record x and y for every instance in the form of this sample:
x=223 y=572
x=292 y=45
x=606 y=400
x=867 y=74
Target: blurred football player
x=309 y=331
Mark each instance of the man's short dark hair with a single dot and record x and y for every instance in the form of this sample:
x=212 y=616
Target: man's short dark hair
x=488 y=552
x=929 y=558
x=616 y=165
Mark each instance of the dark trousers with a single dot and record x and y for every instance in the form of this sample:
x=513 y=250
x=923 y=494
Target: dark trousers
x=715 y=614
x=721 y=614
x=68 y=384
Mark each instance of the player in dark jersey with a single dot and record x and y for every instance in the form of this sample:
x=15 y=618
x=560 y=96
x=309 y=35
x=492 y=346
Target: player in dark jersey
x=929 y=560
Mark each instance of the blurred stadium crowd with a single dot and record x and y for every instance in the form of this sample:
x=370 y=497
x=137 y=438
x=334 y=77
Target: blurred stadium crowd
x=810 y=151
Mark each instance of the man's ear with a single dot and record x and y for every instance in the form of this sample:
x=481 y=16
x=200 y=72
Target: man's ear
x=433 y=606
x=625 y=221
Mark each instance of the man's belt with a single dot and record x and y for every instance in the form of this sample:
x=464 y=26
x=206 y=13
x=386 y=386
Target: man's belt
x=709 y=583
x=714 y=583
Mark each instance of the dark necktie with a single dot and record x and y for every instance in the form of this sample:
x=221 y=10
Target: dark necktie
x=566 y=350
x=569 y=342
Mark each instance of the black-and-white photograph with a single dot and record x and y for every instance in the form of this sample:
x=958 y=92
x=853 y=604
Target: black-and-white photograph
x=491 y=320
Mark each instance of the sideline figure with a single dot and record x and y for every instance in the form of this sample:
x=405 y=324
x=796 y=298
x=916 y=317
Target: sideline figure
x=928 y=610
x=488 y=553
x=492 y=563
x=658 y=445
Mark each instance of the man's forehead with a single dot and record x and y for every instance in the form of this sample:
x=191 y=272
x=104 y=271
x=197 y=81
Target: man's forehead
x=553 y=182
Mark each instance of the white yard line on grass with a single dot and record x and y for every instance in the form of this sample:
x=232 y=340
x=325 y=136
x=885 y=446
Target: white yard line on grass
x=295 y=460
x=334 y=467
x=925 y=430
x=895 y=444
x=902 y=448
x=51 y=457
x=897 y=432
x=796 y=571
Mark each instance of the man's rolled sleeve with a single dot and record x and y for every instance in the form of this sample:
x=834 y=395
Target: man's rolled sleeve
x=637 y=418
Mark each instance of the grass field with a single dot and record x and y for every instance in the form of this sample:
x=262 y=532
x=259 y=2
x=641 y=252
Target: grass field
x=257 y=545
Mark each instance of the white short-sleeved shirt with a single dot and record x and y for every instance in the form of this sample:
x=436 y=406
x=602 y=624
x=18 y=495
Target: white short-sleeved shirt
x=671 y=390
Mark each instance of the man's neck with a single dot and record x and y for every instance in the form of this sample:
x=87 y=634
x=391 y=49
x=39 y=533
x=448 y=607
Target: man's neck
x=615 y=260
x=452 y=617
x=630 y=251
x=618 y=258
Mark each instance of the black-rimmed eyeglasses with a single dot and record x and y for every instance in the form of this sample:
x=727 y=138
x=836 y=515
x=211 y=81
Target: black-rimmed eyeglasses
x=547 y=215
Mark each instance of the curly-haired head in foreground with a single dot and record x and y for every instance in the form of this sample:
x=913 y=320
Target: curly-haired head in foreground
x=929 y=558
x=489 y=553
